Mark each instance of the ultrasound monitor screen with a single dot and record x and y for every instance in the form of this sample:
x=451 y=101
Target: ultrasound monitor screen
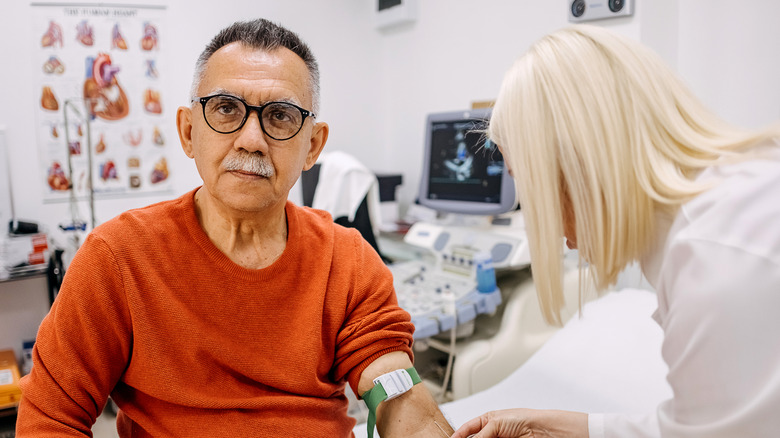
x=464 y=171
x=465 y=165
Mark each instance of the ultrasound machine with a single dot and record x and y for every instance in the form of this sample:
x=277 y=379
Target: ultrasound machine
x=465 y=180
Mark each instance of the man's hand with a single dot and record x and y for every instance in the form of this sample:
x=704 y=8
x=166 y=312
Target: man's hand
x=517 y=423
x=414 y=413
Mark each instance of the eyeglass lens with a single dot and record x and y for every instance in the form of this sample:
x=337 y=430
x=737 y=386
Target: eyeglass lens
x=226 y=114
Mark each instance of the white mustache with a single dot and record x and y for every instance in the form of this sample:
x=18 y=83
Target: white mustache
x=249 y=163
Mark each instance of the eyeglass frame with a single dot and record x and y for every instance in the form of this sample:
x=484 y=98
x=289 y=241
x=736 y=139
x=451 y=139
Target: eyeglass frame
x=249 y=108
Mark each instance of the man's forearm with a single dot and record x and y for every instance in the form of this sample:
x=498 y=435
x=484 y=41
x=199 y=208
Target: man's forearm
x=414 y=413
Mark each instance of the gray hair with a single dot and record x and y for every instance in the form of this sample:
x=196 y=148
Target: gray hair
x=264 y=35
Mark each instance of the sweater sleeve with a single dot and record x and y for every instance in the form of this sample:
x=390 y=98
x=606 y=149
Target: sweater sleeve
x=375 y=325
x=82 y=348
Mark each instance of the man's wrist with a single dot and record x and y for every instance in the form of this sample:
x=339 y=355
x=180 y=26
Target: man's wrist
x=387 y=387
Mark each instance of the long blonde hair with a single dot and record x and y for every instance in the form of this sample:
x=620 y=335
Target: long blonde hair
x=594 y=117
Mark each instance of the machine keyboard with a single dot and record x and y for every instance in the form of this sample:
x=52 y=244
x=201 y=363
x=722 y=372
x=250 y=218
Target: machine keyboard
x=437 y=300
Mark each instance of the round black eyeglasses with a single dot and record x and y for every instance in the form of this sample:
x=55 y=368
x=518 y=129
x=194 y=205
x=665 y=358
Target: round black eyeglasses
x=227 y=114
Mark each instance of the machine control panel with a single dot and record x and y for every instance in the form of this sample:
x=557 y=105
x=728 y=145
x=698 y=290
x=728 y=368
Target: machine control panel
x=508 y=246
x=440 y=298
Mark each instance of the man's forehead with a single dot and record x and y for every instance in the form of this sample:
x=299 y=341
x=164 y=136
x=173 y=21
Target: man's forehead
x=238 y=69
x=238 y=56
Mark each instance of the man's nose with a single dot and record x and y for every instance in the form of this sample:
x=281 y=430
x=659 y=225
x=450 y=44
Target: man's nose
x=251 y=136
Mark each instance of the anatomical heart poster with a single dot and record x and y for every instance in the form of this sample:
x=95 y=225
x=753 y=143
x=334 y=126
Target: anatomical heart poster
x=98 y=99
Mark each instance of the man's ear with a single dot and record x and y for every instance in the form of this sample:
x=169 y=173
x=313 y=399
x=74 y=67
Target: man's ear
x=184 y=126
x=319 y=136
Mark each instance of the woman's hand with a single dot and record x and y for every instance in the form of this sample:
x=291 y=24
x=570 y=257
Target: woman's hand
x=531 y=423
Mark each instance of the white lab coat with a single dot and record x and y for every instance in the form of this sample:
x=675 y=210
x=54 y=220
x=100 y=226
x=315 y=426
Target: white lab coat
x=717 y=274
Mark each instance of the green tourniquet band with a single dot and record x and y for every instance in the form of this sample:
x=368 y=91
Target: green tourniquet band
x=377 y=395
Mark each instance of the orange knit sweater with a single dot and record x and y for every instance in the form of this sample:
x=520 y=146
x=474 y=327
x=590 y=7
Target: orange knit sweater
x=190 y=344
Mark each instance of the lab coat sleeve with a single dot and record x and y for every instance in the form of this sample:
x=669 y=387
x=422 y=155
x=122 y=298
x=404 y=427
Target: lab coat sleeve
x=82 y=348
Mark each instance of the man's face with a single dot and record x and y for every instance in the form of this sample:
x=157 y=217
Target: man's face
x=256 y=77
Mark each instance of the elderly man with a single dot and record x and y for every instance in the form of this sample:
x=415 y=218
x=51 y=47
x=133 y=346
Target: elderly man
x=230 y=311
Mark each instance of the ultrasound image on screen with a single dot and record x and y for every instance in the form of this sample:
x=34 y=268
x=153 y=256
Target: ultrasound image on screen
x=465 y=165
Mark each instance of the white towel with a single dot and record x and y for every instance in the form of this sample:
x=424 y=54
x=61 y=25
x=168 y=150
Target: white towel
x=343 y=184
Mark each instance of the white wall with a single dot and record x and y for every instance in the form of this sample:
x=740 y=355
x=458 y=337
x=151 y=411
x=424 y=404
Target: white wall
x=729 y=53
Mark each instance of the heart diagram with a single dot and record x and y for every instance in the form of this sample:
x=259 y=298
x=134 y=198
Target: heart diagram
x=102 y=90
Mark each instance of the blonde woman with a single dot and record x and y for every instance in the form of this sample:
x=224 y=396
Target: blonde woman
x=612 y=152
